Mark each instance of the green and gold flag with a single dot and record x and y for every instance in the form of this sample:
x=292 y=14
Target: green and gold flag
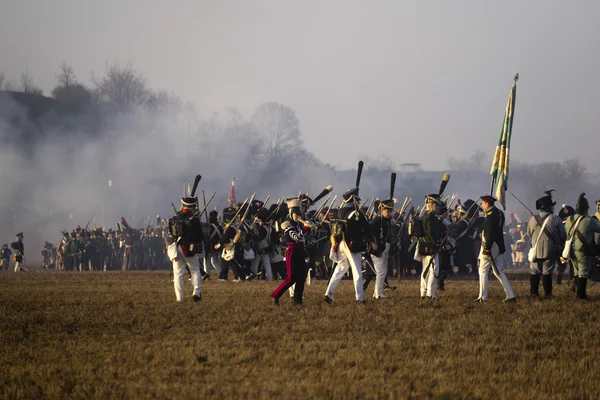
x=500 y=168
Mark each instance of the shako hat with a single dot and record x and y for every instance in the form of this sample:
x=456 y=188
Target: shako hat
x=388 y=204
x=229 y=213
x=189 y=201
x=263 y=214
x=351 y=194
x=488 y=199
x=433 y=198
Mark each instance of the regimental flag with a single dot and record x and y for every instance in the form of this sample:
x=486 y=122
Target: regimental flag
x=499 y=171
x=231 y=197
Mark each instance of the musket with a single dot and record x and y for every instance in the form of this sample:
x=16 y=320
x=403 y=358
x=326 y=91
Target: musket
x=227 y=225
x=279 y=203
x=205 y=206
x=371 y=203
x=364 y=203
x=174 y=209
x=86 y=225
x=322 y=206
x=331 y=204
x=546 y=229
x=204 y=201
x=247 y=208
x=266 y=201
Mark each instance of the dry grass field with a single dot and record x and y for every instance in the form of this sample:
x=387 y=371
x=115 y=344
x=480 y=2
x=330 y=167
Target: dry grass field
x=122 y=335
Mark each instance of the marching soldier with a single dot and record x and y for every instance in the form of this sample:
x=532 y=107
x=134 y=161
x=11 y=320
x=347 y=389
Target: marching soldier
x=19 y=252
x=47 y=253
x=581 y=228
x=492 y=234
x=263 y=243
x=5 y=254
x=381 y=230
x=564 y=213
x=548 y=236
x=429 y=246
x=348 y=242
x=295 y=254
x=186 y=230
x=215 y=233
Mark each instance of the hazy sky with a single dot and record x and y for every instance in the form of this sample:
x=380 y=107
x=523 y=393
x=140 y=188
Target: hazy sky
x=420 y=81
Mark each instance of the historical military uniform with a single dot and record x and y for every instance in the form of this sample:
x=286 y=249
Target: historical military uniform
x=381 y=231
x=348 y=242
x=213 y=258
x=581 y=229
x=548 y=245
x=295 y=255
x=492 y=244
x=19 y=252
x=564 y=213
x=263 y=244
x=186 y=230
x=429 y=247
x=5 y=254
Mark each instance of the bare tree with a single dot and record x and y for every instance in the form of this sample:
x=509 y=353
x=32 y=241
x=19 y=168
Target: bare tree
x=279 y=128
x=122 y=87
x=26 y=85
x=162 y=102
x=65 y=76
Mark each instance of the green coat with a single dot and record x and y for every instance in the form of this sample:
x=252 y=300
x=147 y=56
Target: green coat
x=582 y=264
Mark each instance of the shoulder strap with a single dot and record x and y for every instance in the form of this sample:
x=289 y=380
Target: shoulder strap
x=574 y=228
x=542 y=230
x=580 y=235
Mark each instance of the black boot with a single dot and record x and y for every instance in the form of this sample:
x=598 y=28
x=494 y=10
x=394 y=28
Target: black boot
x=574 y=284
x=581 y=288
x=559 y=277
x=534 y=285
x=547 y=282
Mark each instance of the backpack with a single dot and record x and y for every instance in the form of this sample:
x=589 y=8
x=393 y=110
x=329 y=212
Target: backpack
x=415 y=227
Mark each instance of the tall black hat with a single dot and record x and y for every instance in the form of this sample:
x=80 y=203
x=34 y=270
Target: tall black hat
x=263 y=214
x=351 y=194
x=544 y=202
x=20 y=235
x=229 y=213
x=189 y=201
x=389 y=204
x=433 y=198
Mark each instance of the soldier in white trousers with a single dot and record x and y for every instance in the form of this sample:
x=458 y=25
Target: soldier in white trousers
x=187 y=234
x=381 y=230
x=348 y=241
x=429 y=247
x=492 y=244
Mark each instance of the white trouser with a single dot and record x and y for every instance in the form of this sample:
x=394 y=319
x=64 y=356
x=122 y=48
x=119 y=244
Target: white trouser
x=380 y=264
x=485 y=264
x=179 y=265
x=428 y=275
x=214 y=261
x=266 y=261
x=345 y=260
x=17 y=266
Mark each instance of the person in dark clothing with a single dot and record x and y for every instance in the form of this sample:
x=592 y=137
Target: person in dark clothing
x=295 y=254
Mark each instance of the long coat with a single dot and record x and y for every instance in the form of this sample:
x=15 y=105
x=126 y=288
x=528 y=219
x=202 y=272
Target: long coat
x=547 y=244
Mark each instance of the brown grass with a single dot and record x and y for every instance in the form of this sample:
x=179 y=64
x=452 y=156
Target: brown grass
x=122 y=335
